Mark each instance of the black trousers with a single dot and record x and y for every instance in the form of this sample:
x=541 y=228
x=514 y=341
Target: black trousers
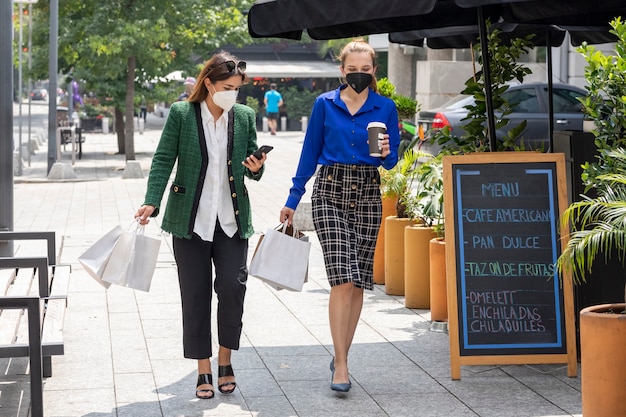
x=195 y=259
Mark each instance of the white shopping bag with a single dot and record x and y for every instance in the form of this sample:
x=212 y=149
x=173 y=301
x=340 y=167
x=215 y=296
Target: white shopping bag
x=281 y=260
x=133 y=260
x=95 y=259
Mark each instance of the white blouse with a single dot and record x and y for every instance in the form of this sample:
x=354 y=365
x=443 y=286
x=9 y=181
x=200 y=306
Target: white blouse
x=215 y=200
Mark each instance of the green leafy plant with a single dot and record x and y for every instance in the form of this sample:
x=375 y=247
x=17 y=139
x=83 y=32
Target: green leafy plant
x=599 y=223
x=406 y=106
x=397 y=182
x=385 y=87
x=426 y=204
x=299 y=102
x=91 y=110
x=605 y=103
x=253 y=103
x=504 y=68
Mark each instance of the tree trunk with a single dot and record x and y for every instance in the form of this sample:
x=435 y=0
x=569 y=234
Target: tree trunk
x=119 y=129
x=129 y=122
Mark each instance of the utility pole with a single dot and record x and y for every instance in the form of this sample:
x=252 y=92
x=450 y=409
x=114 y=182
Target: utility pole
x=6 y=124
x=6 y=118
x=53 y=70
x=20 y=90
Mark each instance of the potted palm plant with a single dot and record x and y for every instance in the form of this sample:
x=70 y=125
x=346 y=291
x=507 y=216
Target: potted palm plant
x=599 y=229
x=425 y=206
x=394 y=182
x=397 y=184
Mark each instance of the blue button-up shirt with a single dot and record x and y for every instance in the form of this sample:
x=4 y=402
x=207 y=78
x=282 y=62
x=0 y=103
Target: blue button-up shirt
x=334 y=136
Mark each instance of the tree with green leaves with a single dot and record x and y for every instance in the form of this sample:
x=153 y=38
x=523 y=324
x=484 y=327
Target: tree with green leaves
x=117 y=47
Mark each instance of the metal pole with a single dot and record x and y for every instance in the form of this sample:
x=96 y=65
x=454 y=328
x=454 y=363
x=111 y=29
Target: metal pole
x=30 y=67
x=491 y=123
x=20 y=90
x=6 y=123
x=53 y=69
x=550 y=92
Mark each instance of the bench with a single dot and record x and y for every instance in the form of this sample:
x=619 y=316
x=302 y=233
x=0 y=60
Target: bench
x=71 y=135
x=33 y=299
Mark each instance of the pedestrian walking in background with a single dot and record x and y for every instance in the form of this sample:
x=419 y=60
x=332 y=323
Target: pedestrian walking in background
x=346 y=200
x=143 y=108
x=272 y=100
x=208 y=211
x=189 y=84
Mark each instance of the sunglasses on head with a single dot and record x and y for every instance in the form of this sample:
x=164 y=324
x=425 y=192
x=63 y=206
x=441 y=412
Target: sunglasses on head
x=231 y=65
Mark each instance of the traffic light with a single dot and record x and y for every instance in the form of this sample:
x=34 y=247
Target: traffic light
x=25 y=12
x=25 y=49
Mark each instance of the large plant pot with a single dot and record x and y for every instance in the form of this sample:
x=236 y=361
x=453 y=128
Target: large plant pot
x=394 y=254
x=603 y=362
x=389 y=209
x=438 y=287
x=417 y=266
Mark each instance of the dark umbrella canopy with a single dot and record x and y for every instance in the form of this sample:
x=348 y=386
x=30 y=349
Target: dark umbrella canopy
x=464 y=36
x=565 y=12
x=544 y=35
x=331 y=19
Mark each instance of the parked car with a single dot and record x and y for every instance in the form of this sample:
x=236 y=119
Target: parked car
x=39 y=94
x=529 y=102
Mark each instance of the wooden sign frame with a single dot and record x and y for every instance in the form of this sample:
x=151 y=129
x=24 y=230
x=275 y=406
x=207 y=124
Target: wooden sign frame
x=563 y=288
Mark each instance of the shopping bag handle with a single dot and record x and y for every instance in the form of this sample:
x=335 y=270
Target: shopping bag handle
x=283 y=228
x=136 y=227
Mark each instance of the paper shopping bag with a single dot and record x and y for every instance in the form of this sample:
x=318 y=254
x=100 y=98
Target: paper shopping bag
x=291 y=231
x=281 y=260
x=133 y=260
x=95 y=258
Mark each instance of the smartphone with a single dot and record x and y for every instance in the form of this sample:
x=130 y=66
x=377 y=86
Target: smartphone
x=263 y=149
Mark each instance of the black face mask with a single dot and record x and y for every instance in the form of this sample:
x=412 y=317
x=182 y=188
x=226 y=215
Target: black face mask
x=359 y=81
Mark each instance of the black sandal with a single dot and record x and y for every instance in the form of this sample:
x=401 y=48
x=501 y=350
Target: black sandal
x=204 y=379
x=222 y=371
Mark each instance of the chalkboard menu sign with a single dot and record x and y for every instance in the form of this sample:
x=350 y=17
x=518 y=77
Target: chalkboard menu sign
x=508 y=297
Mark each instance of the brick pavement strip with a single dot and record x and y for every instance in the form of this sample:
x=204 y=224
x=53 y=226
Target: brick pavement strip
x=123 y=348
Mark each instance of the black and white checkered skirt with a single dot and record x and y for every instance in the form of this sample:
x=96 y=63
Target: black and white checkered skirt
x=347 y=212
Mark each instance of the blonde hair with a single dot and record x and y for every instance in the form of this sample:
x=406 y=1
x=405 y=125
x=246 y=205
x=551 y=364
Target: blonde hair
x=215 y=71
x=360 y=46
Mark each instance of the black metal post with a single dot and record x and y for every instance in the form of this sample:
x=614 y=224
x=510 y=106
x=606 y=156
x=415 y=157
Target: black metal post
x=550 y=92
x=6 y=124
x=53 y=69
x=484 y=46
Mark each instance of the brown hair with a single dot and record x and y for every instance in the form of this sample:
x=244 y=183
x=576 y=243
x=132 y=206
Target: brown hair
x=214 y=70
x=359 y=46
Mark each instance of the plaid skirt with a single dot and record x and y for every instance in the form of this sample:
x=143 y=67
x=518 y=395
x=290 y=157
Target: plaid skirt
x=347 y=212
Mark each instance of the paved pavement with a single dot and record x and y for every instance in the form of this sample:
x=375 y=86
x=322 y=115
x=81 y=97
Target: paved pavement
x=123 y=350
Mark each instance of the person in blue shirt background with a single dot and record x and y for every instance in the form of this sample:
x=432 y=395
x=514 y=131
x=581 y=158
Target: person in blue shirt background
x=272 y=100
x=346 y=202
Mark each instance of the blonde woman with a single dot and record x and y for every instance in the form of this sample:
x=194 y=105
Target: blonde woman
x=346 y=199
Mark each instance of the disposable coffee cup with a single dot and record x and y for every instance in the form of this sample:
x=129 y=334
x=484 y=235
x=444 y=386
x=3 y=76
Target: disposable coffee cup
x=375 y=133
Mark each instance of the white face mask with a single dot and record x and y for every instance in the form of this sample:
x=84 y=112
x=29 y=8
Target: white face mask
x=225 y=99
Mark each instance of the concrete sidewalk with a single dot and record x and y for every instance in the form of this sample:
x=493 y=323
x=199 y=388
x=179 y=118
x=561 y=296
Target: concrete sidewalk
x=123 y=355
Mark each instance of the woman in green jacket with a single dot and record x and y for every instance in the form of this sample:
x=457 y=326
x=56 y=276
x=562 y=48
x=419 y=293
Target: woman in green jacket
x=208 y=210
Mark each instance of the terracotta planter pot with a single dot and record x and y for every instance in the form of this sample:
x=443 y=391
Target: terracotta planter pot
x=389 y=209
x=438 y=287
x=394 y=254
x=417 y=266
x=603 y=362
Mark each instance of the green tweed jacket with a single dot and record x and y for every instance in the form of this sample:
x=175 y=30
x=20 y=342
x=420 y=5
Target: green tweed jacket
x=181 y=142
